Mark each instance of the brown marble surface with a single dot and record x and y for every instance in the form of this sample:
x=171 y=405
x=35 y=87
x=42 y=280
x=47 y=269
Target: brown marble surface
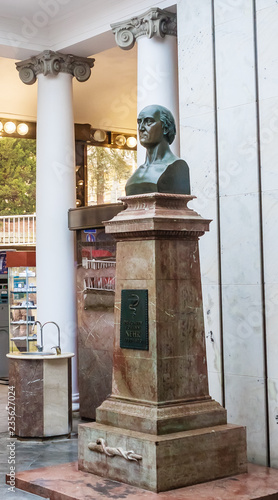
x=95 y=346
x=66 y=482
x=42 y=388
x=27 y=378
x=167 y=461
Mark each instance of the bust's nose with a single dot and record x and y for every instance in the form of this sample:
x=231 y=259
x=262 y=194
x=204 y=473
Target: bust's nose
x=141 y=126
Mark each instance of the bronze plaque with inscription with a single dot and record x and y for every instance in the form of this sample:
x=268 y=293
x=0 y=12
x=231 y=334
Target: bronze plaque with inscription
x=134 y=333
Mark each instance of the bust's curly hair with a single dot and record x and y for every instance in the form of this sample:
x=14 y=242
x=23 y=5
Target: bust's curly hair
x=168 y=121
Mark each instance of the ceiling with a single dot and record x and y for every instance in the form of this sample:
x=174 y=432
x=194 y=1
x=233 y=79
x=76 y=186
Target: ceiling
x=81 y=27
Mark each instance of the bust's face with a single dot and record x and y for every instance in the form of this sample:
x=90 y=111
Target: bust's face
x=150 y=127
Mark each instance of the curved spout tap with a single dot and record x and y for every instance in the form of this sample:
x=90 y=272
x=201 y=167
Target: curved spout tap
x=39 y=347
x=58 y=347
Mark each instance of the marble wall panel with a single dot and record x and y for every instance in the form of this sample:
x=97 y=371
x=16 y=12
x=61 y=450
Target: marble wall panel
x=228 y=10
x=269 y=142
x=95 y=379
x=267 y=20
x=270 y=221
x=235 y=62
x=263 y=4
x=95 y=351
x=240 y=239
x=55 y=394
x=267 y=43
x=198 y=141
x=237 y=147
x=238 y=182
x=193 y=16
x=213 y=339
x=242 y=325
x=273 y=420
x=271 y=312
x=195 y=51
x=245 y=402
x=197 y=119
x=215 y=386
x=27 y=379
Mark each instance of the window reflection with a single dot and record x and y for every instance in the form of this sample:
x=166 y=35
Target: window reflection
x=108 y=170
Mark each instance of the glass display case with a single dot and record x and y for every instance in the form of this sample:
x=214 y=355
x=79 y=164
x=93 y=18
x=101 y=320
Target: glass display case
x=22 y=308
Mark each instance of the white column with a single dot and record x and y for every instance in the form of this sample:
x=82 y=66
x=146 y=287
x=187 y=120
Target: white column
x=56 y=280
x=55 y=195
x=157 y=60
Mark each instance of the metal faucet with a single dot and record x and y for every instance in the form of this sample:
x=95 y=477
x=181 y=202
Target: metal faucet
x=39 y=347
x=57 y=347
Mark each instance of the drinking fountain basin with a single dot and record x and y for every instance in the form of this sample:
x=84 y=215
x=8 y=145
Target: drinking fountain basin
x=38 y=353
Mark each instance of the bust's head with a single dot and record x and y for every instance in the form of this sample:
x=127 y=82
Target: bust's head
x=155 y=124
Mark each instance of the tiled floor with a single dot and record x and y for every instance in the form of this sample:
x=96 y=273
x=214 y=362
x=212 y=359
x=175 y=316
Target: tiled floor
x=31 y=454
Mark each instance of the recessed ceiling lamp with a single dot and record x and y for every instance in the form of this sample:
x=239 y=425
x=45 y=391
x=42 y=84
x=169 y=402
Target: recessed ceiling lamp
x=131 y=142
x=9 y=127
x=120 y=140
x=80 y=182
x=99 y=135
x=22 y=129
x=1 y=126
x=78 y=203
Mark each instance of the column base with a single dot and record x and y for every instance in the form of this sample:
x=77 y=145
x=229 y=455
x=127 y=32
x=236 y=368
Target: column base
x=162 y=463
x=162 y=418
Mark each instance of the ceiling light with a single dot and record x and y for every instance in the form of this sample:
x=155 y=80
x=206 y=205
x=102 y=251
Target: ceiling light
x=99 y=135
x=120 y=140
x=9 y=127
x=80 y=182
x=1 y=126
x=131 y=142
x=78 y=203
x=22 y=129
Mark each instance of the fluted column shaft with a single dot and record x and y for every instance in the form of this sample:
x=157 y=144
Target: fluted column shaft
x=56 y=281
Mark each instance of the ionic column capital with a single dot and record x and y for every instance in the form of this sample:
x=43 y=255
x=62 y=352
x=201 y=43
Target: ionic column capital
x=52 y=63
x=154 y=22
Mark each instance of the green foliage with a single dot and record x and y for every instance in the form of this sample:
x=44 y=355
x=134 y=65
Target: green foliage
x=17 y=176
x=107 y=166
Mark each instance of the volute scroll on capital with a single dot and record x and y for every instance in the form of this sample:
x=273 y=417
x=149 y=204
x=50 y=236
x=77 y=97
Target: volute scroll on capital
x=154 y=22
x=52 y=63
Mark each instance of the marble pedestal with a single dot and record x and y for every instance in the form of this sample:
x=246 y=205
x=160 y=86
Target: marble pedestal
x=160 y=429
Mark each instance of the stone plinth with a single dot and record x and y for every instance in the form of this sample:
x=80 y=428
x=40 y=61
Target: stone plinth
x=160 y=409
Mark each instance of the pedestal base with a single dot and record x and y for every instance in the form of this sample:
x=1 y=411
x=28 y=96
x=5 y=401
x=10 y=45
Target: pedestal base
x=161 y=463
x=161 y=418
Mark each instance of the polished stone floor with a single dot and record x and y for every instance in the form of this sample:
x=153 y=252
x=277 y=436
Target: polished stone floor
x=31 y=454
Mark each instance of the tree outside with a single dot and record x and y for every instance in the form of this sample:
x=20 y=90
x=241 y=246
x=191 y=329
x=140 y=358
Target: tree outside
x=17 y=176
x=108 y=171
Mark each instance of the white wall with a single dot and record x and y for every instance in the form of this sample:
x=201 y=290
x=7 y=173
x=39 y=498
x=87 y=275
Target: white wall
x=229 y=124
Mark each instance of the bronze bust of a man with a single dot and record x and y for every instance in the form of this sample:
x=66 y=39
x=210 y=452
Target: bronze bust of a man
x=162 y=171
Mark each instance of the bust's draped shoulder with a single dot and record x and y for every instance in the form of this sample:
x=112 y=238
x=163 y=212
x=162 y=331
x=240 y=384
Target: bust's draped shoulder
x=173 y=179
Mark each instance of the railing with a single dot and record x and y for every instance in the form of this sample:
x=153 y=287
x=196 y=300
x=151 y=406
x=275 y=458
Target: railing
x=17 y=230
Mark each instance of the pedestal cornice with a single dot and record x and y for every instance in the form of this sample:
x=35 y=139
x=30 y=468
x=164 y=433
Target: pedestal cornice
x=52 y=63
x=157 y=215
x=154 y=22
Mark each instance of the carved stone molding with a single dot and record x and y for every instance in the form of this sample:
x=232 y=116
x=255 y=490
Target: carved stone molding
x=52 y=63
x=154 y=22
x=101 y=447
